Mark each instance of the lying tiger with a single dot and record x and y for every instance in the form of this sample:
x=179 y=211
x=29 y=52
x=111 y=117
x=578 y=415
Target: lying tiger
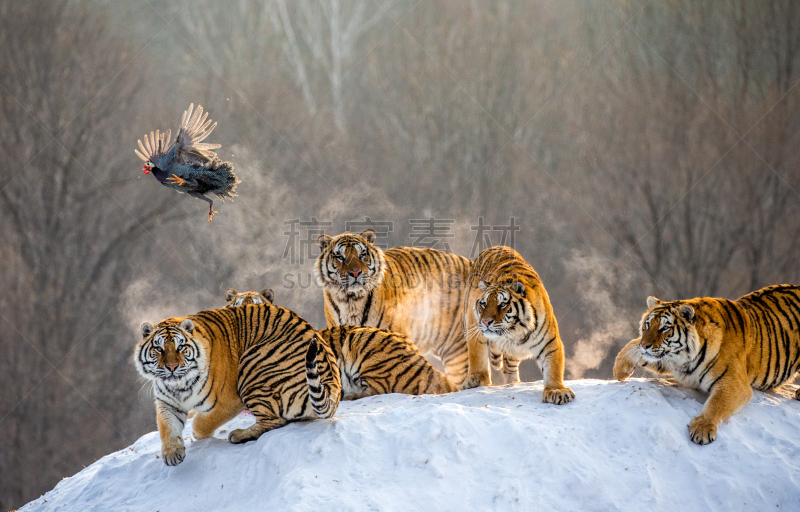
x=235 y=298
x=411 y=291
x=510 y=315
x=375 y=362
x=720 y=346
x=219 y=361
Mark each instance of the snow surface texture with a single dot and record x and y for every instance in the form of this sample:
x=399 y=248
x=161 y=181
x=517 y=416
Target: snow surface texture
x=618 y=446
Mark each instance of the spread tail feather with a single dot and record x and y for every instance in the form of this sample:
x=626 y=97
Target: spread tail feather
x=322 y=391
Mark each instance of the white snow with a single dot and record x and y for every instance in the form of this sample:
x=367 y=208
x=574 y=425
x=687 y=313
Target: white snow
x=618 y=446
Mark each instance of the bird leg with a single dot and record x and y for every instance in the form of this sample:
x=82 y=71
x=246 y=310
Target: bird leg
x=209 y=201
x=177 y=180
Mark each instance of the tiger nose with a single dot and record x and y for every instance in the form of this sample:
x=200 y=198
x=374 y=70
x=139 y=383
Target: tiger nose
x=172 y=367
x=354 y=272
x=645 y=345
x=486 y=321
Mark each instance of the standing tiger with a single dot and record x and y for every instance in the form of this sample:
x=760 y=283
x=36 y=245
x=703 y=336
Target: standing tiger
x=720 y=346
x=375 y=362
x=217 y=362
x=510 y=314
x=415 y=292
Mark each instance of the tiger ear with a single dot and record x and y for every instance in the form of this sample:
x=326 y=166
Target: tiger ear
x=369 y=235
x=518 y=287
x=687 y=313
x=324 y=241
x=229 y=293
x=482 y=285
x=187 y=325
x=652 y=302
x=268 y=294
x=147 y=328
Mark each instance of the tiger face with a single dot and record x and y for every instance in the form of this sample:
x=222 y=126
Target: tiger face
x=235 y=298
x=170 y=354
x=349 y=263
x=668 y=332
x=503 y=310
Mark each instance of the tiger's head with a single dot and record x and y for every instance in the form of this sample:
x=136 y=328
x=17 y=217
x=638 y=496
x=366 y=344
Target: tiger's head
x=170 y=353
x=235 y=298
x=503 y=311
x=668 y=332
x=349 y=265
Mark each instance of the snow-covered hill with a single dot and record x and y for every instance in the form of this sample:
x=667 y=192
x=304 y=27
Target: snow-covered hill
x=619 y=446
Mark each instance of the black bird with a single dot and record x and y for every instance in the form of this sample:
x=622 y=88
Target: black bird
x=187 y=165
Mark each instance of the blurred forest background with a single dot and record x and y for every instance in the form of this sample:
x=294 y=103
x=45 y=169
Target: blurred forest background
x=641 y=147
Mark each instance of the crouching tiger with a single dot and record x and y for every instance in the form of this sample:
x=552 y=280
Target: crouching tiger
x=510 y=315
x=217 y=362
x=373 y=361
x=720 y=346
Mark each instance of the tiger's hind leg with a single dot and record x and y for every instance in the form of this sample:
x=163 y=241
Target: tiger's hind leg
x=264 y=423
x=266 y=407
x=511 y=370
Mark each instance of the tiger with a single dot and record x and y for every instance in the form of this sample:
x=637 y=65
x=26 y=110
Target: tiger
x=376 y=362
x=510 y=314
x=217 y=362
x=235 y=298
x=723 y=347
x=411 y=291
x=372 y=361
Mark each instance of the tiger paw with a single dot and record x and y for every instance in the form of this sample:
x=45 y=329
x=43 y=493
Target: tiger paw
x=558 y=396
x=622 y=369
x=473 y=381
x=173 y=452
x=242 y=435
x=702 y=430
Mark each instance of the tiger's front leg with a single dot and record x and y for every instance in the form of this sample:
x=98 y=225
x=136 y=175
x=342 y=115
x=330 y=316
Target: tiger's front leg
x=170 y=428
x=511 y=370
x=478 y=352
x=552 y=366
x=205 y=423
x=626 y=360
x=728 y=395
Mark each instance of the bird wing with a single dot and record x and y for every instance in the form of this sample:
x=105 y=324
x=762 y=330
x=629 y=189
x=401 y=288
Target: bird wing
x=155 y=147
x=194 y=129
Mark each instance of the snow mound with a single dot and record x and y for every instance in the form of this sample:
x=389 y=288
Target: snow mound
x=618 y=446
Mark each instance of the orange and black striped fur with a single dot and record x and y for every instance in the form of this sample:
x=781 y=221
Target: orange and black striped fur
x=720 y=346
x=509 y=313
x=235 y=298
x=415 y=292
x=375 y=362
x=219 y=361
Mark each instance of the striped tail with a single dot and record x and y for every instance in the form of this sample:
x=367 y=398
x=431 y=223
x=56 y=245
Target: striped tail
x=323 y=401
